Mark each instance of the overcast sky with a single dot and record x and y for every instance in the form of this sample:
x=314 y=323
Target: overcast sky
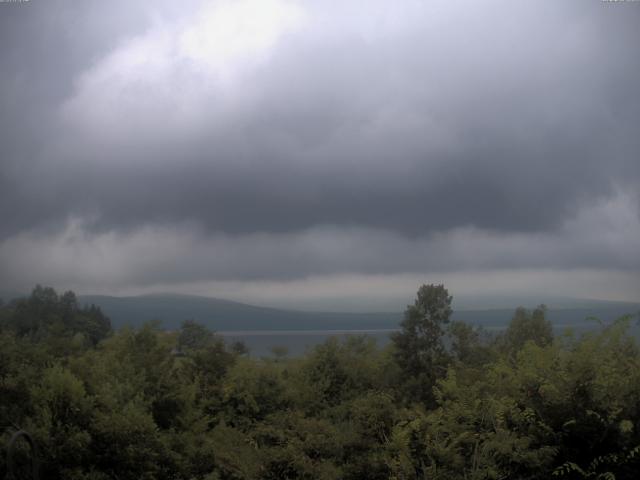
x=280 y=151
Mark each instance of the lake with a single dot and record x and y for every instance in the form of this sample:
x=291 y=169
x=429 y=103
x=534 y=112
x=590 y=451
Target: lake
x=297 y=342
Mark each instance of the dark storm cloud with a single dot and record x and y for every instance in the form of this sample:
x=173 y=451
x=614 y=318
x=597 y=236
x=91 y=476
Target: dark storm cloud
x=602 y=239
x=510 y=118
x=43 y=47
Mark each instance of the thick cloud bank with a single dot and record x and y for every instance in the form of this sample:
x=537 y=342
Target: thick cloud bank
x=274 y=140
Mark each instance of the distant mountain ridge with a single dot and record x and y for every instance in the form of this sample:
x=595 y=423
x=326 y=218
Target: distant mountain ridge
x=218 y=314
x=225 y=315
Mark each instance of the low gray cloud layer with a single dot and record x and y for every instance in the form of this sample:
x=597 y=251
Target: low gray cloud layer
x=279 y=139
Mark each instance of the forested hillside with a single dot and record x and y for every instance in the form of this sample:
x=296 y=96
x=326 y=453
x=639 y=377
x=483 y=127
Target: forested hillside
x=444 y=400
x=172 y=310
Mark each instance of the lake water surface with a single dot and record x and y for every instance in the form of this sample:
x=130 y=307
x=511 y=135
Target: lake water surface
x=297 y=342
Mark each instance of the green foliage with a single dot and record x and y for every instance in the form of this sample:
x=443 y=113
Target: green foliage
x=526 y=327
x=420 y=351
x=338 y=371
x=46 y=314
x=145 y=403
x=194 y=336
x=252 y=391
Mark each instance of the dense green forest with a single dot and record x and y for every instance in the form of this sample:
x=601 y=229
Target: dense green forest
x=443 y=400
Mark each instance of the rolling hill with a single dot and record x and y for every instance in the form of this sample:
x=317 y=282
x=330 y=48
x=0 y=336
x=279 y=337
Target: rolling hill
x=225 y=315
